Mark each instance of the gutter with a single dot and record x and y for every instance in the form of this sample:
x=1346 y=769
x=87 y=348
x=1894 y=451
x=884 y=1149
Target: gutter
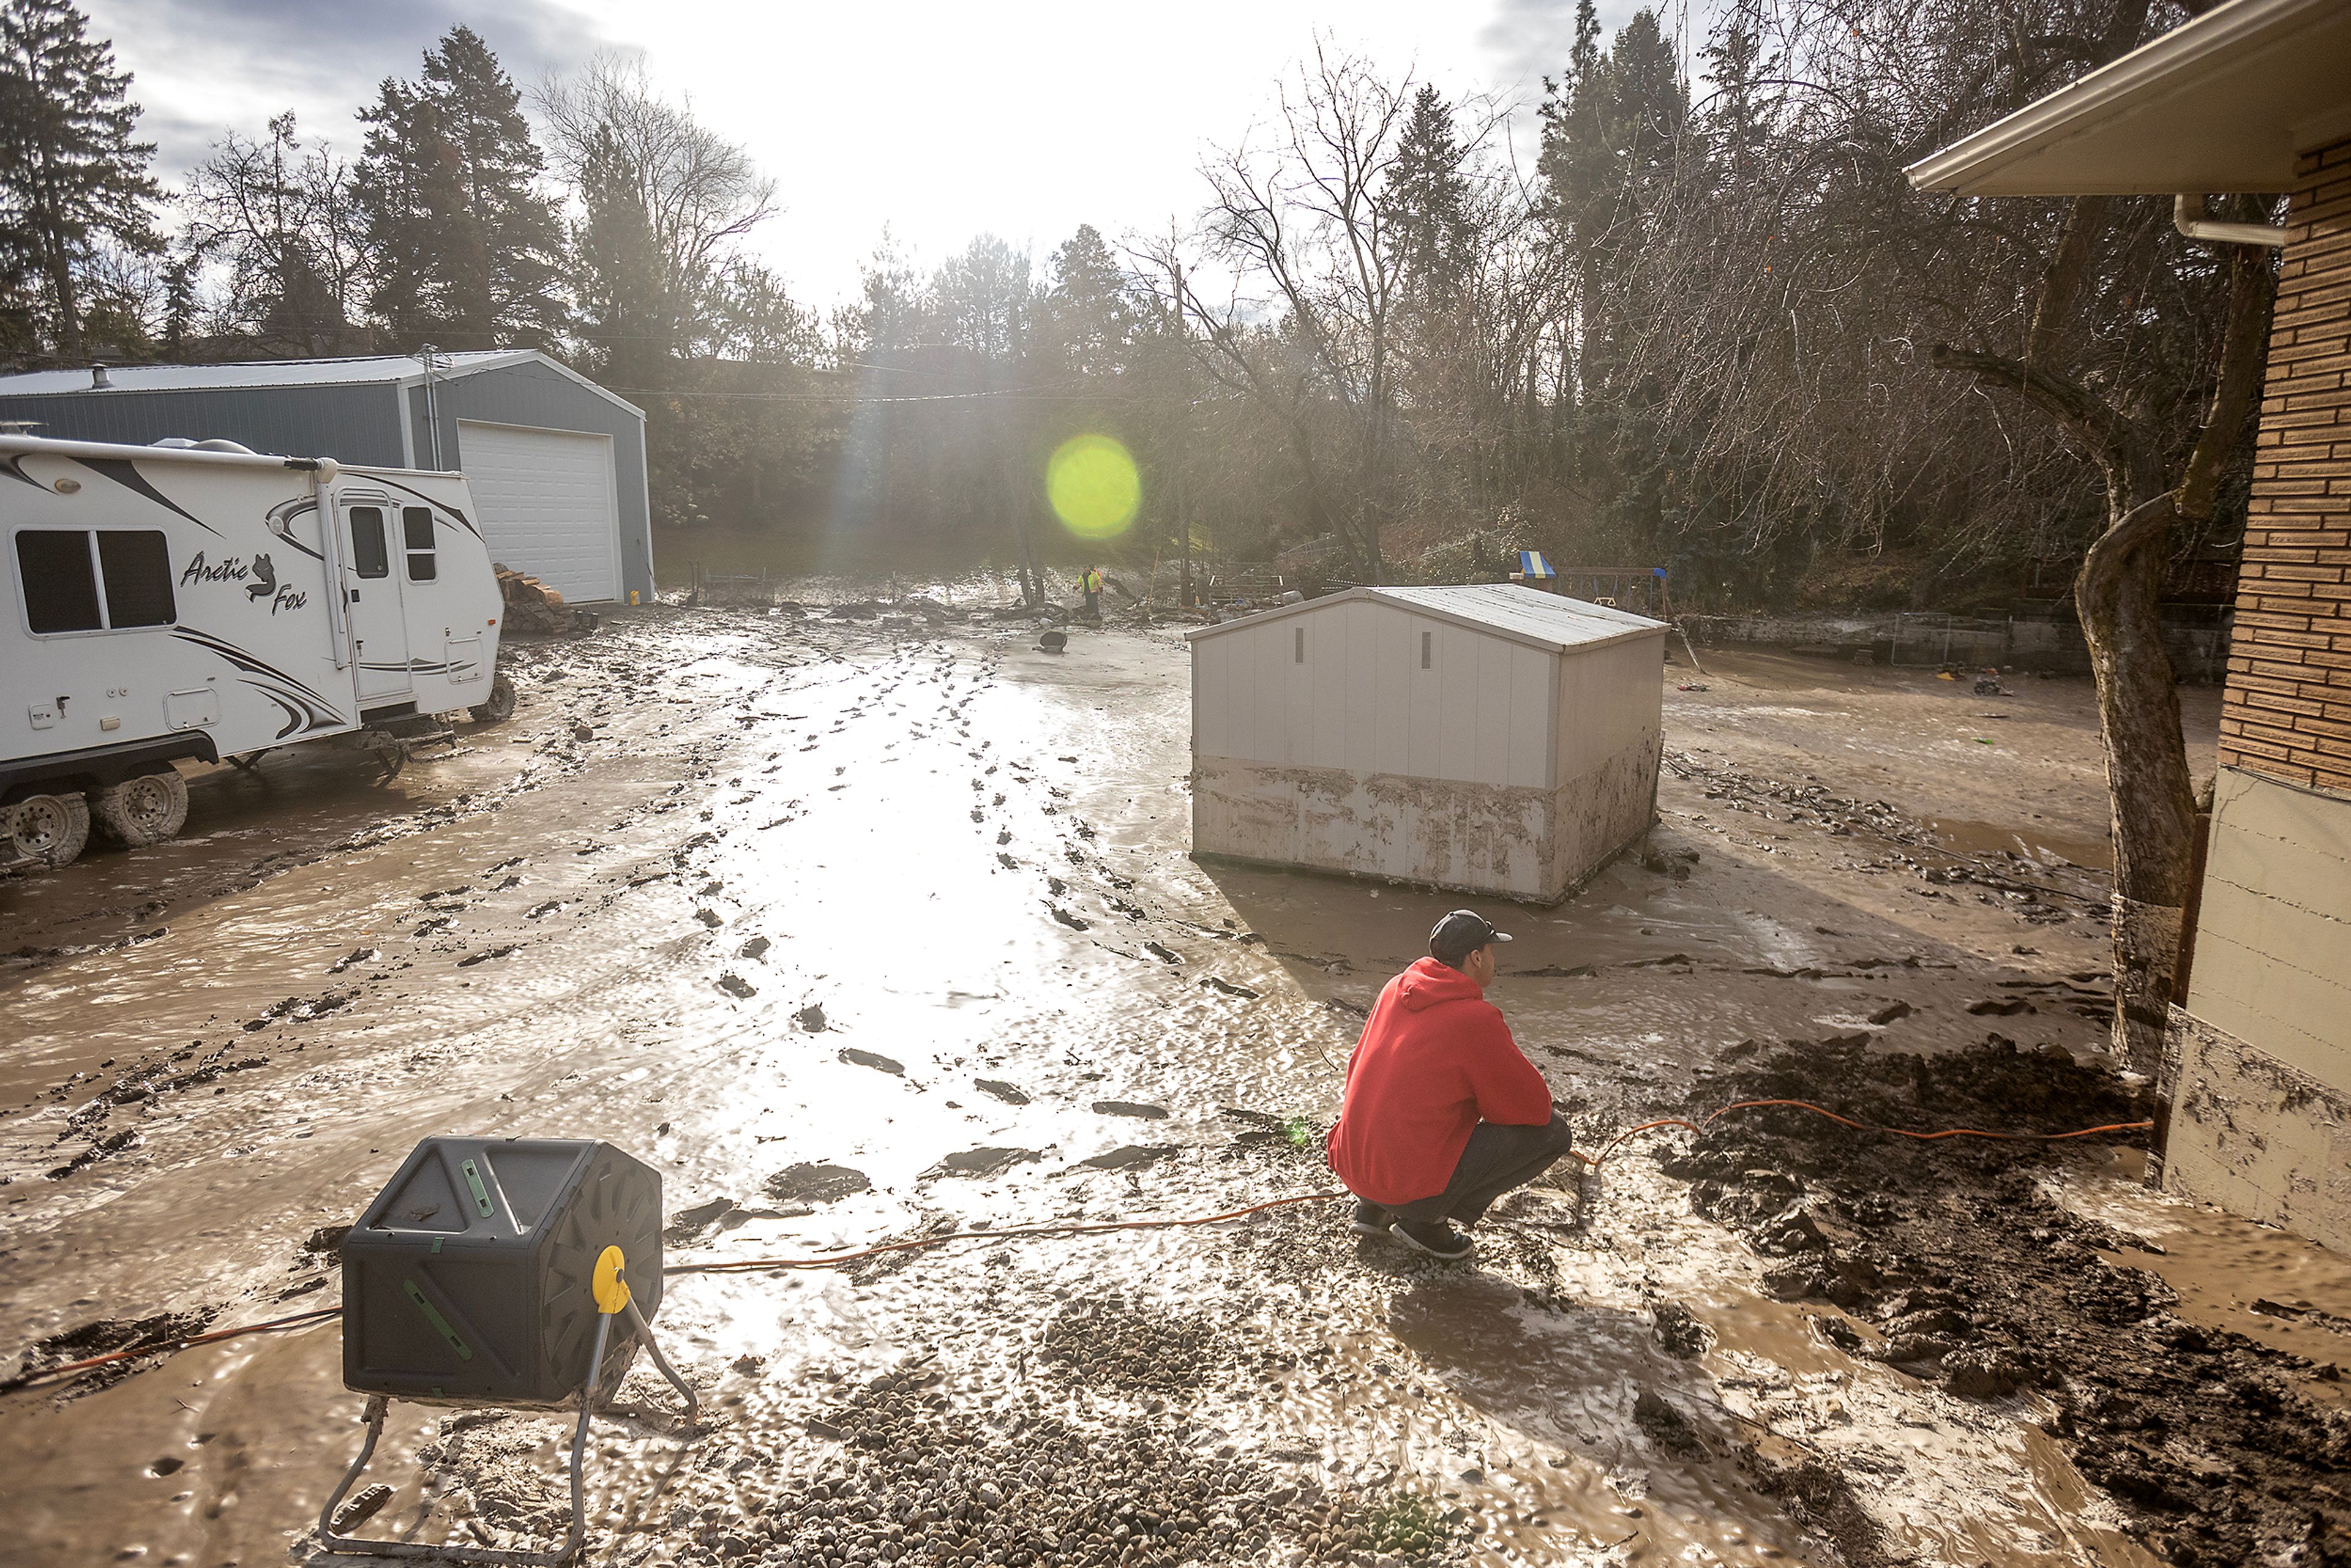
x=2188 y=218
x=2143 y=79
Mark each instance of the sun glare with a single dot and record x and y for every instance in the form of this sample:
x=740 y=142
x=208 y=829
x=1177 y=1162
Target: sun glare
x=1094 y=486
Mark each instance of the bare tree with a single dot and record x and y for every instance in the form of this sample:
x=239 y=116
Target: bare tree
x=274 y=223
x=661 y=202
x=1302 y=216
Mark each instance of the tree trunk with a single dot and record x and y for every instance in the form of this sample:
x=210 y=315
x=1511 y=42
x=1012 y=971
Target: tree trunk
x=2119 y=596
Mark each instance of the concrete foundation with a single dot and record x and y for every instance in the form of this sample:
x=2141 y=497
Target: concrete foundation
x=2254 y=1134
x=1534 y=845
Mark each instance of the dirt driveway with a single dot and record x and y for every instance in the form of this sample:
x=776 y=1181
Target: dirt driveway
x=866 y=930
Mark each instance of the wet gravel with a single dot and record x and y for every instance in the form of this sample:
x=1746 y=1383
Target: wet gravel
x=914 y=1475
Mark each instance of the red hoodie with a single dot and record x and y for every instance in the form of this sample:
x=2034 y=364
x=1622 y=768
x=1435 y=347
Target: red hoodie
x=1435 y=1060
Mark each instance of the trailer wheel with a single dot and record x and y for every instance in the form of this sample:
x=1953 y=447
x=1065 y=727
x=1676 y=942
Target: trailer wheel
x=501 y=703
x=51 y=828
x=143 y=810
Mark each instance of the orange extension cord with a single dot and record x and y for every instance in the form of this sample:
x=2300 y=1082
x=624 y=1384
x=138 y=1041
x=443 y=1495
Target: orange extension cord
x=835 y=1259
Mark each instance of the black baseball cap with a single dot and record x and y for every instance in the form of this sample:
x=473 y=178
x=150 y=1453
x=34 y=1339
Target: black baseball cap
x=1460 y=933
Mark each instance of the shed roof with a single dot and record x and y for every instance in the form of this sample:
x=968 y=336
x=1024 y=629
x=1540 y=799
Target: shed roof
x=1547 y=621
x=2222 y=102
x=377 y=370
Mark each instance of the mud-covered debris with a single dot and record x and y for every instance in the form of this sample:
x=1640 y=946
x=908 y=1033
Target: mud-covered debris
x=1347 y=1006
x=326 y=1239
x=1558 y=972
x=505 y=950
x=755 y=947
x=1678 y=1331
x=2008 y=1291
x=816 y=1183
x=1984 y=1374
x=355 y=956
x=1000 y=1090
x=112 y=1144
x=1217 y=983
x=1165 y=954
x=1074 y=922
x=873 y=1060
x=982 y=1162
x=709 y=917
x=1662 y=1423
x=735 y=985
x=810 y=1018
x=105 y=1337
x=2000 y=1006
x=583 y=732
x=1890 y=1012
x=1129 y=1157
x=362 y=1508
x=689 y=1223
x=1130 y=1108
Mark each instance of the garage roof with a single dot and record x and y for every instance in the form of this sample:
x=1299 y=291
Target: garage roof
x=2222 y=103
x=1528 y=616
x=406 y=370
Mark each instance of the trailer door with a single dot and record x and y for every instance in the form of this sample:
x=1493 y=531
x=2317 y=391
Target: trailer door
x=379 y=629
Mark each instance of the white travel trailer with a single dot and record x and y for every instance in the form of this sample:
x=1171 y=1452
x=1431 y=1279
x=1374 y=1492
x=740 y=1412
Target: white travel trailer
x=197 y=599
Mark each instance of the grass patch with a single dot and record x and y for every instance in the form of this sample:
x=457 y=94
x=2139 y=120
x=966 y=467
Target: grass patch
x=1300 y=1132
x=1407 y=1525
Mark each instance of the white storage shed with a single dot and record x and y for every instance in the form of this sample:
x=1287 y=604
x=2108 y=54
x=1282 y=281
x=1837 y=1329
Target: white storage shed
x=1489 y=737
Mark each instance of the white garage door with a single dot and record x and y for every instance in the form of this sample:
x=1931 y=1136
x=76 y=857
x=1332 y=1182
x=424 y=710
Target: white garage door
x=547 y=505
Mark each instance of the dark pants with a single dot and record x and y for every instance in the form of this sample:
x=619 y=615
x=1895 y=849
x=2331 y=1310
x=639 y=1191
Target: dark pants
x=1496 y=1160
x=1093 y=604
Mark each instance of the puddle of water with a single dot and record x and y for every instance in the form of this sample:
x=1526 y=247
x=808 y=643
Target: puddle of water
x=2230 y=1273
x=2050 y=849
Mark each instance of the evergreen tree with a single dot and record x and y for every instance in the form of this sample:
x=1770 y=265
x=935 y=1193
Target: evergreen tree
x=465 y=247
x=1427 y=199
x=1090 y=319
x=72 y=180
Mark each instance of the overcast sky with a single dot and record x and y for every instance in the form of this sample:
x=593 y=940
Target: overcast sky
x=941 y=120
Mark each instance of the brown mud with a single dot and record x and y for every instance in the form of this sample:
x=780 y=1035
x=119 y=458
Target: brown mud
x=1961 y=1265
x=879 y=926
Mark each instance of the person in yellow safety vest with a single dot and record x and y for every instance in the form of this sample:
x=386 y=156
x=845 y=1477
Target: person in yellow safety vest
x=1091 y=585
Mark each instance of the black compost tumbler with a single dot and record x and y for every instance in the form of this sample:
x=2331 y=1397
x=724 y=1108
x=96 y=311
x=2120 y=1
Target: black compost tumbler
x=506 y=1271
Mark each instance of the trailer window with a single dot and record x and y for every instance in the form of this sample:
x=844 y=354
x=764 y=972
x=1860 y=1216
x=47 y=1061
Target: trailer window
x=61 y=585
x=370 y=555
x=416 y=524
x=136 y=564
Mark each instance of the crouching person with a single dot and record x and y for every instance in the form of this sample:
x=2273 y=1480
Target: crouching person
x=1443 y=1112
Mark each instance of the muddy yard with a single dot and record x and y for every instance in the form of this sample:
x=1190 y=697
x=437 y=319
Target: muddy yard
x=865 y=930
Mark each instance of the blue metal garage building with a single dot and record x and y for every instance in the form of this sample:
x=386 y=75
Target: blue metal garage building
x=557 y=463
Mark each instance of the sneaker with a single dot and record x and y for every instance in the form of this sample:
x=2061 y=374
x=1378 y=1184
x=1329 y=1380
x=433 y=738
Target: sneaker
x=1370 y=1220
x=1433 y=1237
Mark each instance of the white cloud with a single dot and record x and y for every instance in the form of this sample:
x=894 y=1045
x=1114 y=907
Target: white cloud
x=940 y=119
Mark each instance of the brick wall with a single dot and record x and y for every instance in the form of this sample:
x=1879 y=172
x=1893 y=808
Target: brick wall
x=2287 y=710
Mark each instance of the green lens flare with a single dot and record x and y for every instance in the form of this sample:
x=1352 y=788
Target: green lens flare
x=1093 y=485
